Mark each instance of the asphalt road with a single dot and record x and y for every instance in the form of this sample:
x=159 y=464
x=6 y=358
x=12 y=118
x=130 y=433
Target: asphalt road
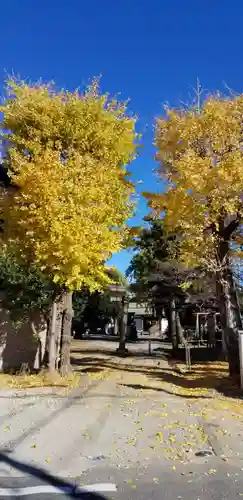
x=212 y=480
x=101 y=443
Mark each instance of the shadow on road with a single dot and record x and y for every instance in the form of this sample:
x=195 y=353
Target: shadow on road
x=112 y=352
x=205 y=374
x=159 y=389
x=47 y=478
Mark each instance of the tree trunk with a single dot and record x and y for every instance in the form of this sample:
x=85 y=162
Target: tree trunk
x=179 y=330
x=229 y=310
x=65 y=366
x=222 y=311
x=211 y=330
x=123 y=330
x=172 y=323
x=52 y=340
x=37 y=338
x=59 y=327
x=45 y=357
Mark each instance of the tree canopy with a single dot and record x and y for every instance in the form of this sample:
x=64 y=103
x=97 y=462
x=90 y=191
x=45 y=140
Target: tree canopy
x=200 y=155
x=96 y=308
x=154 y=269
x=67 y=155
x=24 y=288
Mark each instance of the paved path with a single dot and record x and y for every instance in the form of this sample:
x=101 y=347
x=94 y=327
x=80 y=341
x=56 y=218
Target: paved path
x=198 y=481
x=106 y=422
x=122 y=430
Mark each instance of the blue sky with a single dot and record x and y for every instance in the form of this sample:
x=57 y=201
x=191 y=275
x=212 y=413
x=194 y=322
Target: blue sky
x=151 y=51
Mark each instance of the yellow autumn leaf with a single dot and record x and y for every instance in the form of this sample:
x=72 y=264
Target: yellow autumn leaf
x=67 y=155
x=212 y=471
x=200 y=158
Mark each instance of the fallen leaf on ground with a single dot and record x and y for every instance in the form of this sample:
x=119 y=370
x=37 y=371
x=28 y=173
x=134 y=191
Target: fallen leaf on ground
x=159 y=436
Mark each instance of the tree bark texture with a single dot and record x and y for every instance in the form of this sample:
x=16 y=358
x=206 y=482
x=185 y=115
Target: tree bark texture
x=52 y=340
x=59 y=329
x=65 y=366
x=172 y=323
x=211 y=330
x=179 y=330
x=229 y=309
x=45 y=357
x=123 y=329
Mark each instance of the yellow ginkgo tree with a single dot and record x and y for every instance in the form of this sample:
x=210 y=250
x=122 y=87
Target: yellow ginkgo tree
x=200 y=154
x=66 y=154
